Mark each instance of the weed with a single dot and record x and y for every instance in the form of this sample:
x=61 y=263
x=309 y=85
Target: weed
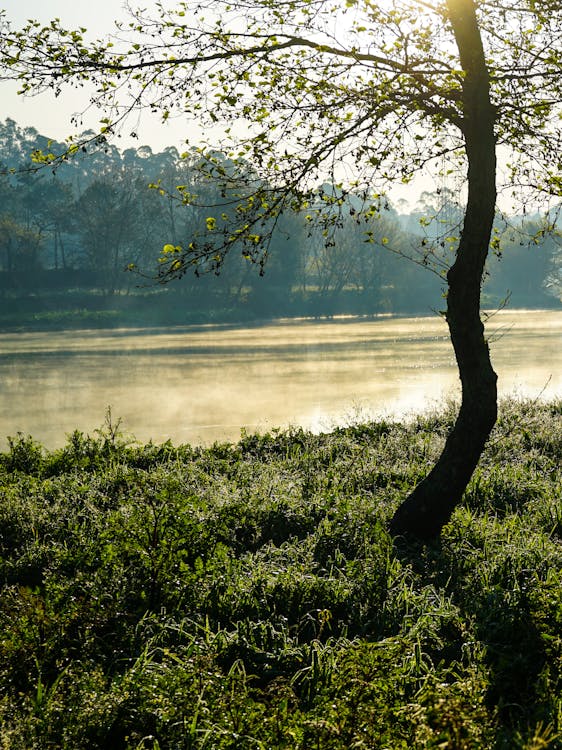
x=249 y=595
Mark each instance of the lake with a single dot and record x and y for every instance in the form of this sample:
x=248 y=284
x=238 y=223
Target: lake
x=203 y=384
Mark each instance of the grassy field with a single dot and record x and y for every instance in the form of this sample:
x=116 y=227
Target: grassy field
x=249 y=595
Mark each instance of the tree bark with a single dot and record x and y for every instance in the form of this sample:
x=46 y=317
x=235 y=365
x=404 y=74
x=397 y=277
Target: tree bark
x=429 y=507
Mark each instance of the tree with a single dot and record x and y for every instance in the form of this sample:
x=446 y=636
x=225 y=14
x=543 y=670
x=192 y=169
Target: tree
x=526 y=263
x=19 y=246
x=311 y=89
x=21 y=239
x=117 y=223
x=46 y=207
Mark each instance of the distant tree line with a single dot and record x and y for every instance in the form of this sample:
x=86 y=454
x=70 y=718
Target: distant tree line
x=68 y=236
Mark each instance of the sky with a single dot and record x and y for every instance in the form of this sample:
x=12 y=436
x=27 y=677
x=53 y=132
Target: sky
x=52 y=116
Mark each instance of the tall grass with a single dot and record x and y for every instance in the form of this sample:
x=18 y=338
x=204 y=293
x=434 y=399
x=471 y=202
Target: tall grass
x=249 y=595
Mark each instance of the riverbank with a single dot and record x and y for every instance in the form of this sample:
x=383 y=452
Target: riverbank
x=205 y=302
x=248 y=595
x=168 y=307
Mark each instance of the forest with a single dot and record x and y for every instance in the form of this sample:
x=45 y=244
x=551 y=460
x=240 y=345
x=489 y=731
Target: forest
x=70 y=236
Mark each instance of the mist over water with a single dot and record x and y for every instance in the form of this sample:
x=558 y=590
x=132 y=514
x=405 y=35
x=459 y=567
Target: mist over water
x=205 y=384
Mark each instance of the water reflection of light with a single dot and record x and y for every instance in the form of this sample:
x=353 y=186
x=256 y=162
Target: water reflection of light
x=205 y=384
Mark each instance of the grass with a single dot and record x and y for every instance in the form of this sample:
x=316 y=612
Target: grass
x=249 y=595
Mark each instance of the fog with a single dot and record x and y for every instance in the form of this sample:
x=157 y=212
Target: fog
x=205 y=384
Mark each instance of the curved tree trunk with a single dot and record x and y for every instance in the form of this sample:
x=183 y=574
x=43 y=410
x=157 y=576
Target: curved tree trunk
x=424 y=513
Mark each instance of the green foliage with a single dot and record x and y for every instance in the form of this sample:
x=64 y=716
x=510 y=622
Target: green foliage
x=366 y=93
x=249 y=595
x=24 y=455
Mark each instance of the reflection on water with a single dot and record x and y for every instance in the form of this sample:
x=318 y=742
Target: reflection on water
x=201 y=385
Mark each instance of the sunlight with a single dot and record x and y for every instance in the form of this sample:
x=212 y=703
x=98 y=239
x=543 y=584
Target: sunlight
x=213 y=381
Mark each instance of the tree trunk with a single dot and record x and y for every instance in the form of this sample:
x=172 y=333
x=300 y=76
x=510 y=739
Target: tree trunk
x=424 y=513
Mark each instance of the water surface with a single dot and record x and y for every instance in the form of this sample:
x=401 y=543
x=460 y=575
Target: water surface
x=203 y=384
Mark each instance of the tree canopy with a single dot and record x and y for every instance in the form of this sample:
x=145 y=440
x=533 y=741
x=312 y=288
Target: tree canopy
x=306 y=84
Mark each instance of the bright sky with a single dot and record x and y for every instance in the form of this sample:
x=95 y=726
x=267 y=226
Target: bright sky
x=51 y=116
